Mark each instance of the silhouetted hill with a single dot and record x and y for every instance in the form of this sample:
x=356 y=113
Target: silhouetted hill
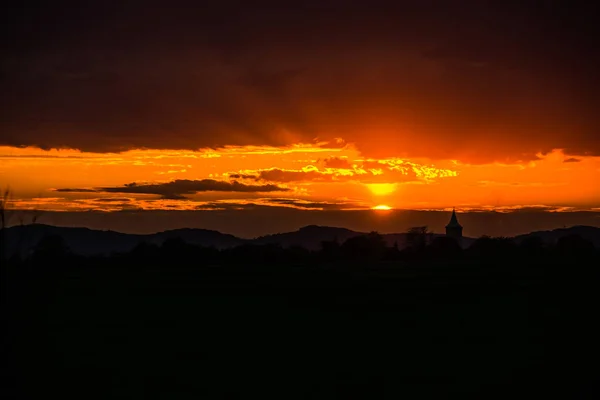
x=590 y=233
x=82 y=241
x=309 y=237
x=86 y=241
x=203 y=237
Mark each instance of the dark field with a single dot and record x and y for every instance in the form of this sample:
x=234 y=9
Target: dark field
x=140 y=326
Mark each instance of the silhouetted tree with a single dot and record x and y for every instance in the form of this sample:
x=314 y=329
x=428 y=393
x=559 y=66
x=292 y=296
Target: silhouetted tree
x=256 y=255
x=533 y=246
x=330 y=250
x=365 y=247
x=51 y=247
x=492 y=248
x=392 y=253
x=174 y=244
x=145 y=251
x=178 y=252
x=298 y=254
x=443 y=247
x=574 y=246
x=418 y=237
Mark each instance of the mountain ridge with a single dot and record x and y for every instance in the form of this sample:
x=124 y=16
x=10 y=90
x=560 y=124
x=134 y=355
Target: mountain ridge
x=86 y=241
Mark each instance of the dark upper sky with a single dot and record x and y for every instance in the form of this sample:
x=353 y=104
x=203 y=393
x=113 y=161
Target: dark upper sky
x=475 y=80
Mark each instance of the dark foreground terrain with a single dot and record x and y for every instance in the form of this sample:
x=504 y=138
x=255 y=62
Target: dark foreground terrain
x=178 y=322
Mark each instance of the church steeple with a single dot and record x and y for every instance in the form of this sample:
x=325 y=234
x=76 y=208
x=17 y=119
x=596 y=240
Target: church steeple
x=453 y=220
x=454 y=229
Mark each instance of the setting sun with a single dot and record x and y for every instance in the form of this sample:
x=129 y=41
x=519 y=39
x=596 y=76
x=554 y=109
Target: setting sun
x=382 y=207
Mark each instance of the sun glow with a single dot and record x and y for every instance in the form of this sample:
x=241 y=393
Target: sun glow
x=382 y=207
x=381 y=189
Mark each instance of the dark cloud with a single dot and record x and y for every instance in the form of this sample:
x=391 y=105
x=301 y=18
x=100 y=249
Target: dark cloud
x=172 y=196
x=284 y=175
x=42 y=156
x=112 y=200
x=270 y=203
x=337 y=162
x=242 y=176
x=473 y=80
x=572 y=159
x=75 y=190
x=118 y=204
x=176 y=189
x=313 y=205
x=231 y=206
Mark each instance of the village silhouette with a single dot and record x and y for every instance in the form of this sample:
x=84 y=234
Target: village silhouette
x=426 y=318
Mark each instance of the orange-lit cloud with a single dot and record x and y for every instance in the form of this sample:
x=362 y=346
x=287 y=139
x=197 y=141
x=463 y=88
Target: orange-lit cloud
x=310 y=177
x=364 y=171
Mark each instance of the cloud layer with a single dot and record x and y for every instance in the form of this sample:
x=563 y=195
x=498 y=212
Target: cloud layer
x=177 y=189
x=364 y=171
x=473 y=80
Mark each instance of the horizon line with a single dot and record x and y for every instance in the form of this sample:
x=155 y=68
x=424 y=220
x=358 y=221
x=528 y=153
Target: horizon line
x=276 y=233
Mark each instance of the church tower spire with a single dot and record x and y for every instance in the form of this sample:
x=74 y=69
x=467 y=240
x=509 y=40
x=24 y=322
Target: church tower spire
x=454 y=229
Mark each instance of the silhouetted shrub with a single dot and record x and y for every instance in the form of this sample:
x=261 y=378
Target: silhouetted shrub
x=533 y=245
x=418 y=237
x=492 y=248
x=330 y=250
x=145 y=251
x=51 y=246
x=443 y=247
x=574 y=246
x=369 y=247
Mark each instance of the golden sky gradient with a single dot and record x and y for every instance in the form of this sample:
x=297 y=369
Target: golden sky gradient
x=279 y=108
x=318 y=176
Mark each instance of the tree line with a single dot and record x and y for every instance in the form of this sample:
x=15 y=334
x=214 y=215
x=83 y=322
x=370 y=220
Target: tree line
x=419 y=245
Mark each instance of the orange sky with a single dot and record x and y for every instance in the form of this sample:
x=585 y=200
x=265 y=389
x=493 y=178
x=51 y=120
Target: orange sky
x=306 y=176
x=348 y=106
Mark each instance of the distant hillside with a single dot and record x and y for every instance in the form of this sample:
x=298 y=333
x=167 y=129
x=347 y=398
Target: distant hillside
x=590 y=233
x=202 y=237
x=86 y=241
x=312 y=236
x=309 y=237
x=80 y=240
